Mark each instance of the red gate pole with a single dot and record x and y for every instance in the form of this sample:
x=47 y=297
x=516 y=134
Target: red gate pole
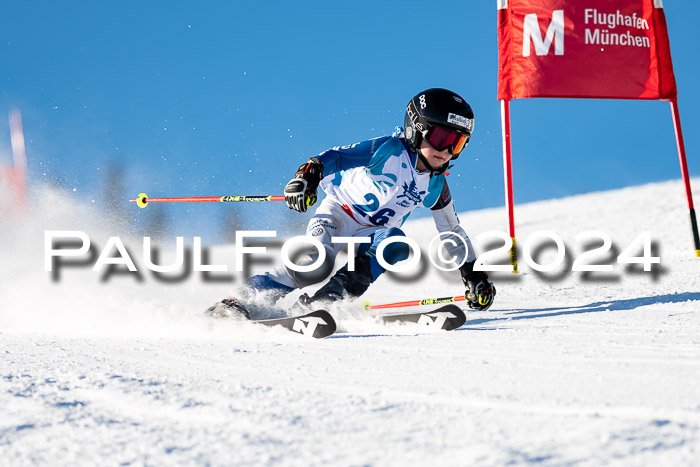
x=508 y=179
x=19 y=153
x=684 y=173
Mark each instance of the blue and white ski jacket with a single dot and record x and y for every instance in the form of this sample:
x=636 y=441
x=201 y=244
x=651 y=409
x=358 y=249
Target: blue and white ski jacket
x=377 y=183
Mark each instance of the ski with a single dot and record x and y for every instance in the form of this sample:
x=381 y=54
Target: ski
x=317 y=324
x=447 y=317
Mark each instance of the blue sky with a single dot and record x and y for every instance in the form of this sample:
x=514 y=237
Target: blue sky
x=227 y=98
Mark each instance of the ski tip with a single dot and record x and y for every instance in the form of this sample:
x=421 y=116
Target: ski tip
x=328 y=327
x=460 y=317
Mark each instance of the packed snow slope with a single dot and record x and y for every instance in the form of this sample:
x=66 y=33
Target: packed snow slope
x=567 y=368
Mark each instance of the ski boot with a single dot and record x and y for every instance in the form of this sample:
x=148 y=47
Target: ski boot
x=306 y=303
x=343 y=285
x=479 y=291
x=254 y=299
x=228 y=308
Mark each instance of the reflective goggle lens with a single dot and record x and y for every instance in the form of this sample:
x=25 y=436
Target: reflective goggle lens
x=442 y=139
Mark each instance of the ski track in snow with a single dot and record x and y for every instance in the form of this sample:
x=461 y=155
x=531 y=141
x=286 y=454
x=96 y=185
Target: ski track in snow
x=574 y=370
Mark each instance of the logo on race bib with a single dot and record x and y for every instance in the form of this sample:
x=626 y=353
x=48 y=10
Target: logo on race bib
x=411 y=193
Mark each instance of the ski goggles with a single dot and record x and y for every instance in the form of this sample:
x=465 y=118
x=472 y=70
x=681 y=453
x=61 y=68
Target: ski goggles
x=440 y=139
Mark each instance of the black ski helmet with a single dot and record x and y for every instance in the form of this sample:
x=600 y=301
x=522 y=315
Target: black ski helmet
x=437 y=107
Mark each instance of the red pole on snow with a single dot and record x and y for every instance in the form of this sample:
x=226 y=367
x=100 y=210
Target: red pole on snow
x=684 y=173
x=508 y=179
x=19 y=174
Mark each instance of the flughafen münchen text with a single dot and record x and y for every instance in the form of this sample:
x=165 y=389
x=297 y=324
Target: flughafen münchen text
x=603 y=34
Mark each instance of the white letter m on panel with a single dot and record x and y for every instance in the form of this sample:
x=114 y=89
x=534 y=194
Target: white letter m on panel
x=555 y=32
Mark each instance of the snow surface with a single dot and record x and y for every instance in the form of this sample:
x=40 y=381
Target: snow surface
x=566 y=369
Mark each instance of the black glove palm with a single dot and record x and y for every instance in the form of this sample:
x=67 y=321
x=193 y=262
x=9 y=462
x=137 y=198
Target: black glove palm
x=480 y=292
x=300 y=192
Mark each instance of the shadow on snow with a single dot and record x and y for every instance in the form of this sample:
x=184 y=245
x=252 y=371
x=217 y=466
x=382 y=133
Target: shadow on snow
x=607 y=305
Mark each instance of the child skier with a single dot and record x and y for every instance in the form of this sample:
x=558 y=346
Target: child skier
x=371 y=189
